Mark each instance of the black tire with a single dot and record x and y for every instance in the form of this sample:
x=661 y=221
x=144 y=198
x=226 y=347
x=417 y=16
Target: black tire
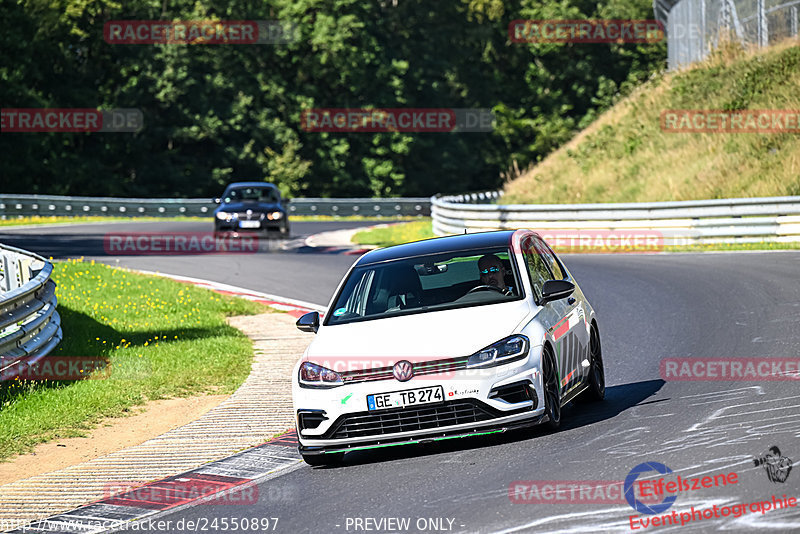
x=552 y=391
x=316 y=460
x=597 y=374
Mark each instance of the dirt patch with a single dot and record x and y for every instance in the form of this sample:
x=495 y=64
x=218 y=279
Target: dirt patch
x=113 y=434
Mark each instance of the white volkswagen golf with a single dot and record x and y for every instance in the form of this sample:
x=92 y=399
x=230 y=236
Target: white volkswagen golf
x=445 y=338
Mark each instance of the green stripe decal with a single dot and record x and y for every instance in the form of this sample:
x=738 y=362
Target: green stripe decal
x=414 y=442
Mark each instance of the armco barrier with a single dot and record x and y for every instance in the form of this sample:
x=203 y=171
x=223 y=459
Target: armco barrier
x=29 y=324
x=734 y=220
x=14 y=206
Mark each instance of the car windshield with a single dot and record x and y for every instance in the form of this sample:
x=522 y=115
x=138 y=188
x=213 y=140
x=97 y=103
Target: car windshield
x=426 y=283
x=257 y=194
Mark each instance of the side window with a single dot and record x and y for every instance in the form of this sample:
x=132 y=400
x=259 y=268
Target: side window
x=536 y=266
x=357 y=303
x=550 y=258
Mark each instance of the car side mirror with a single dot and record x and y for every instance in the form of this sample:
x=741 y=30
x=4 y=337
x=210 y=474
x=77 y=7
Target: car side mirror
x=556 y=290
x=308 y=322
x=217 y=200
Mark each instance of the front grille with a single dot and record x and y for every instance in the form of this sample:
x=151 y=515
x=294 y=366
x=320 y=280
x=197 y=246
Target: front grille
x=365 y=424
x=420 y=368
x=255 y=216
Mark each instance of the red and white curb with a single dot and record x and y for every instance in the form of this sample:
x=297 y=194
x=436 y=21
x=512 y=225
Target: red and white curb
x=339 y=242
x=232 y=481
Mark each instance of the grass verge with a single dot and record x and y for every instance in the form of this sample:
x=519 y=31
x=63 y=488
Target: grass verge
x=733 y=247
x=35 y=220
x=384 y=236
x=163 y=338
x=376 y=218
x=397 y=234
x=625 y=156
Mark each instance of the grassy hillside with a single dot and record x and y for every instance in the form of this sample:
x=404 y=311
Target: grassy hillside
x=626 y=157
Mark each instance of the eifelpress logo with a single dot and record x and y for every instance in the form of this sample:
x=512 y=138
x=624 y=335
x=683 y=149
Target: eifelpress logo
x=775 y=464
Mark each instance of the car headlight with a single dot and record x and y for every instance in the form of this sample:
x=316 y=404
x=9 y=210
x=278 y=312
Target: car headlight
x=275 y=215
x=222 y=216
x=315 y=376
x=504 y=351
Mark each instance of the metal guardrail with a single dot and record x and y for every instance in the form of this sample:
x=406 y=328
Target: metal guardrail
x=30 y=326
x=735 y=220
x=15 y=206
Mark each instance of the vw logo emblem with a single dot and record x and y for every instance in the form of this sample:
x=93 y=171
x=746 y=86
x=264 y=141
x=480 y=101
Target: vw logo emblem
x=249 y=213
x=403 y=371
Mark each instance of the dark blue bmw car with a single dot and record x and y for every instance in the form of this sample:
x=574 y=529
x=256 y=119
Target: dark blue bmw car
x=251 y=207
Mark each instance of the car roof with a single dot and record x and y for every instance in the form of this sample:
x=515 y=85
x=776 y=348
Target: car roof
x=436 y=245
x=251 y=184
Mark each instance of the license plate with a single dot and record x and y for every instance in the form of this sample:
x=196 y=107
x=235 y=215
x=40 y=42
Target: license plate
x=409 y=397
x=249 y=224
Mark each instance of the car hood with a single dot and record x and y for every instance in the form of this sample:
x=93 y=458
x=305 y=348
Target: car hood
x=419 y=337
x=255 y=206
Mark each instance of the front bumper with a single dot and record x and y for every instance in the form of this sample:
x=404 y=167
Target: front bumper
x=496 y=427
x=264 y=226
x=337 y=419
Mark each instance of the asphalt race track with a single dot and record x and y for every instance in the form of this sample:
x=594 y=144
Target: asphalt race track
x=286 y=266
x=649 y=307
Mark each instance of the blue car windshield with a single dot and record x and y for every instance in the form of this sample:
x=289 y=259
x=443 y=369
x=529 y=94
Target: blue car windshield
x=426 y=283
x=255 y=194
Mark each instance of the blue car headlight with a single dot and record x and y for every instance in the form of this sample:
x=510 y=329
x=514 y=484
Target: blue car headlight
x=504 y=351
